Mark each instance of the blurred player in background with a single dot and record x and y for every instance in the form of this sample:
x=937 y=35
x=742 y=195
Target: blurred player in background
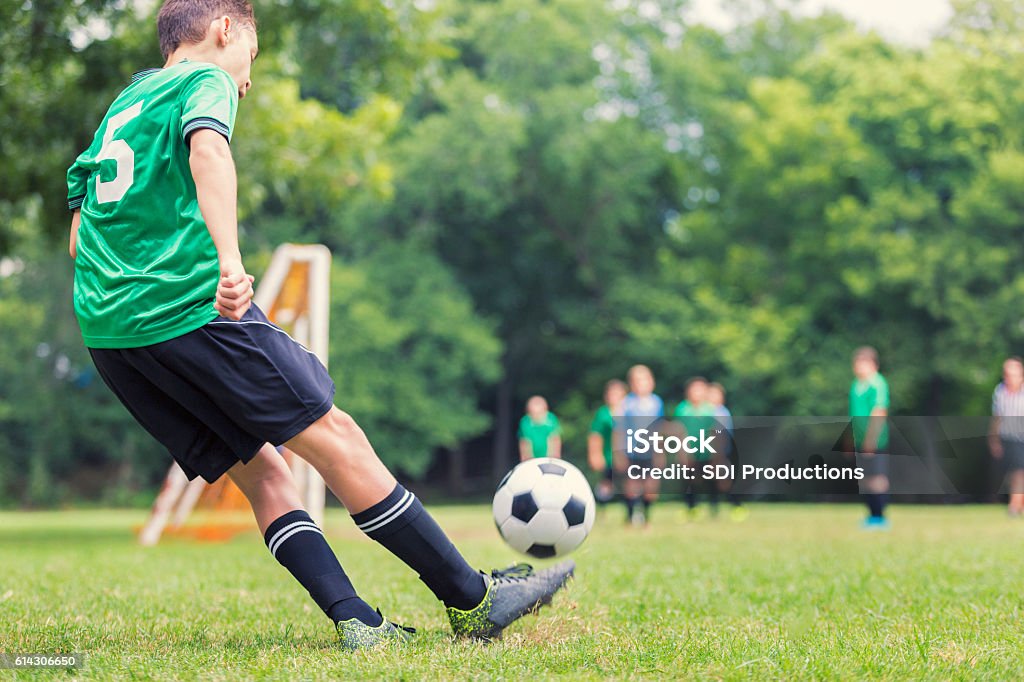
x=869 y=410
x=641 y=408
x=540 y=434
x=1006 y=434
x=601 y=442
x=726 y=453
x=696 y=414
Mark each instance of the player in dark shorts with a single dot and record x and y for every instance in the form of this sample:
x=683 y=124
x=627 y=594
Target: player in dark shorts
x=642 y=408
x=869 y=409
x=696 y=414
x=164 y=305
x=724 y=422
x=1006 y=434
x=603 y=437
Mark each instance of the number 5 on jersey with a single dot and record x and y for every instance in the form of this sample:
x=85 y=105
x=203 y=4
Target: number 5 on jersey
x=121 y=153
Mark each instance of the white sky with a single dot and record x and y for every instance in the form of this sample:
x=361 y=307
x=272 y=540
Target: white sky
x=912 y=22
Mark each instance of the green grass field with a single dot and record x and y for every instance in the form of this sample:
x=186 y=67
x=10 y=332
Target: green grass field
x=795 y=592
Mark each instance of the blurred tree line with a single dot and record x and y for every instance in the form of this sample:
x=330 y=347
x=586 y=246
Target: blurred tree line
x=528 y=196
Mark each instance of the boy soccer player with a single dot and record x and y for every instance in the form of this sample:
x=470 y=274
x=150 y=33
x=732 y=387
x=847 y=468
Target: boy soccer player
x=869 y=407
x=164 y=305
x=641 y=409
x=601 y=441
x=540 y=434
x=1006 y=433
x=723 y=421
x=696 y=414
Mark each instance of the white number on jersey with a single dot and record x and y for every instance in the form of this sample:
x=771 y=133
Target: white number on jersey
x=119 y=151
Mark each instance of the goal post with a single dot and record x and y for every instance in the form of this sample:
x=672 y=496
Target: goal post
x=294 y=293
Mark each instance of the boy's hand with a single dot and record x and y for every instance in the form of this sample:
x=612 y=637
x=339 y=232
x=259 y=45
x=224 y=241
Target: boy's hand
x=234 y=291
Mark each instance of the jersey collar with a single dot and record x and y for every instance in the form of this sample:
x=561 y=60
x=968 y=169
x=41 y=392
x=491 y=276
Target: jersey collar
x=139 y=75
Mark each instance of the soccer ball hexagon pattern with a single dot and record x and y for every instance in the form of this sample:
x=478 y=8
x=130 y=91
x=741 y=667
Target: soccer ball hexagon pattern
x=544 y=507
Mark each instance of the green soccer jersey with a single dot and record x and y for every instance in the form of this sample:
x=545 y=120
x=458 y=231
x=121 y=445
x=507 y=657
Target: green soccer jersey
x=146 y=268
x=539 y=432
x=866 y=396
x=694 y=418
x=603 y=425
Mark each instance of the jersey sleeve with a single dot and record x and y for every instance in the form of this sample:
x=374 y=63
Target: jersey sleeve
x=597 y=424
x=78 y=178
x=881 y=394
x=210 y=100
x=995 y=403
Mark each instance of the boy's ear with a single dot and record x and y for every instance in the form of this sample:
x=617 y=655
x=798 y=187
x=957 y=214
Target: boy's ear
x=221 y=27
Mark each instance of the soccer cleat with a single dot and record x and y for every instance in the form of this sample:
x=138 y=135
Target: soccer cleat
x=511 y=594
x=355 y=634
x=876 y=523
x=738 y=514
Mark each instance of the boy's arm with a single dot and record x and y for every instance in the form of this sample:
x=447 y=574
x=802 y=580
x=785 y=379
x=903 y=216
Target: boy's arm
x=525 y=450
x=595 y=456
x=217 y=191
x=76 y=220
x=555 y=446
x=995 y=446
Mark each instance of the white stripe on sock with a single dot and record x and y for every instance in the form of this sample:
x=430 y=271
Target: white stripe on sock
x=274 y=540
x=380 y=521
x=311 y=529
x=385 y=514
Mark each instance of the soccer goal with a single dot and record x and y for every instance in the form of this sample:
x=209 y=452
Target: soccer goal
x=295 y=295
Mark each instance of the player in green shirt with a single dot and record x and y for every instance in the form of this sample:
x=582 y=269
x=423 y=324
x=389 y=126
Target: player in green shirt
x=696 y=414
x=601 y=441
x=165 y=308
x=869 y=408
x=539 y=432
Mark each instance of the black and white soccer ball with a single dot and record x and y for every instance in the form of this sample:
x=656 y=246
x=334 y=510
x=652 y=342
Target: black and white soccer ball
x=544 y=507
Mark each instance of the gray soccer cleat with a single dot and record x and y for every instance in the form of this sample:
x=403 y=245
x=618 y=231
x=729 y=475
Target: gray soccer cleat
x=511 y=594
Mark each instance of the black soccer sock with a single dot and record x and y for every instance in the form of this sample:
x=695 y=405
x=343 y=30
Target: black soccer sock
x=883 y=502
x=630 y=506
x=299 y=545
x=647 y=509
x=874 y=503
x=406 y=529
x=691 y=497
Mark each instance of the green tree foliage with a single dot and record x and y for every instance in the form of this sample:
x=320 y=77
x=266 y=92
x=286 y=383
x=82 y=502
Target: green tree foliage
x=408 y=355
x=849 y=202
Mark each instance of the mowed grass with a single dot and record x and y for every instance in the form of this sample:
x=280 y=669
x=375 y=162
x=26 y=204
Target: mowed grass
x=794 y=592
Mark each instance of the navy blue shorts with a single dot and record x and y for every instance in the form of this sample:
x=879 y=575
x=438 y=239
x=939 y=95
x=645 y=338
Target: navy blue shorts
x=1013 y=454
x=874 y=465
x=215 y=396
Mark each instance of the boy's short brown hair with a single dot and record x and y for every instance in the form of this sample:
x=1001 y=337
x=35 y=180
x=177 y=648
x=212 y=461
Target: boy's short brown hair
x=694 y=380
x=866 y=352
x=186 y=21
x=615 y=383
